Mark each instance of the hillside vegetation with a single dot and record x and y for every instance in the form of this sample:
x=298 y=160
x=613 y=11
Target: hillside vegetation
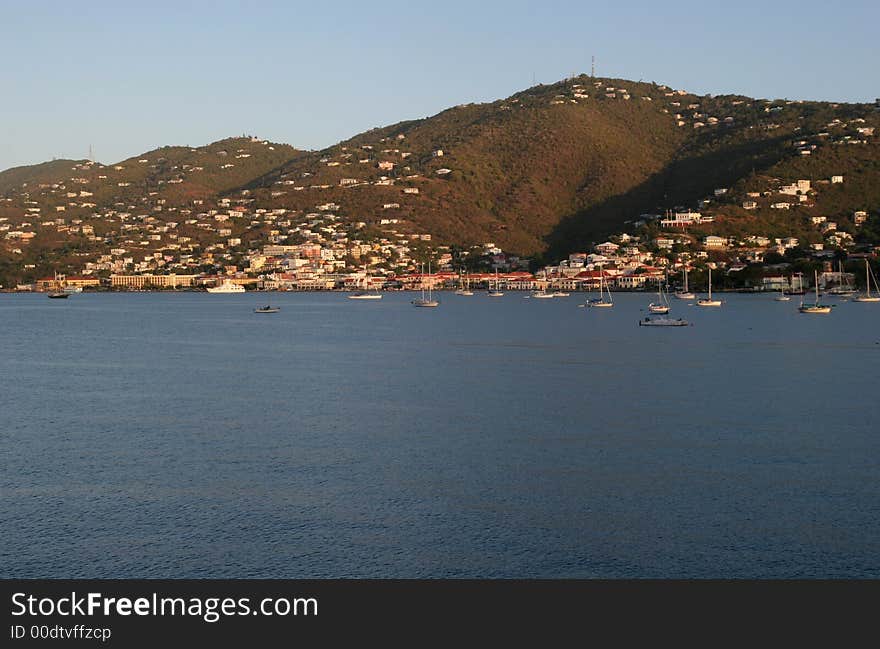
x=542 y=173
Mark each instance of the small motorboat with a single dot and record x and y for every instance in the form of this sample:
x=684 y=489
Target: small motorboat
x=267 y=309
x=57 y=295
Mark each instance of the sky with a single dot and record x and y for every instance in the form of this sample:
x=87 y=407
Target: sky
x=124 y=78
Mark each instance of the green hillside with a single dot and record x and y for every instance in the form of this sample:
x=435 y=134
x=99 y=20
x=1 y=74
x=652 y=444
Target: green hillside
x=548 y=171
x=545 y=172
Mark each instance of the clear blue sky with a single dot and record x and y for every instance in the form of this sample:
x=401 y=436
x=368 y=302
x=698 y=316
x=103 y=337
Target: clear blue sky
x=127 y=79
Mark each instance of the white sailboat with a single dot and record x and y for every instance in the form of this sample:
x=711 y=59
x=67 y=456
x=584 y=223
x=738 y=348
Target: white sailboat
x=495 y=292
x=709 y=301
x=662 y=304
x=464 y=286
x=365 y=295
x=426 y=301
x=685 y=294
x=58 y=292
x=542 y=293
x=867 y=297
x=815 y=307
x=602 y=301
x=782 y=297
x=842 y=290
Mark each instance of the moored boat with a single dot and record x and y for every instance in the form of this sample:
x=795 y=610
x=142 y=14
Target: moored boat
x=815 y=307
x=867 y=297
x=685 y=293
x=662 y=304
x=604 y=300
x=709 y=301
x=228 y=286
x=58 y=292
x=663 y=321
x=496 y=290
x=426 y=300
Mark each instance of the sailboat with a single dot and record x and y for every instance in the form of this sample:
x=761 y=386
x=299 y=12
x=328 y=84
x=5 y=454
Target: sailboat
x=559 y=292
x=602 y=301
x=815 y=307
x=541 y=293
x=867 y=297
x=709 y=301
x=782 y=297
x=685 y=294
x=364 y=295
x=463 y=289
x=495 y=292
x=426 y=301
x=843 y=290
x=58 y=292
x=662 y=304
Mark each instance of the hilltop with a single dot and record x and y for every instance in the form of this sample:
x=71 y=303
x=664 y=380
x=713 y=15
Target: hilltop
x=21 y=177
x=550 y=170
x=554 y=168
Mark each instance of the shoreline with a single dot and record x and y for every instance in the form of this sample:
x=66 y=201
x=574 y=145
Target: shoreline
x=382 y=291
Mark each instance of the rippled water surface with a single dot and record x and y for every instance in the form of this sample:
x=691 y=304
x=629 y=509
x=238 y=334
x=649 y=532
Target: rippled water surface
x=182 y=435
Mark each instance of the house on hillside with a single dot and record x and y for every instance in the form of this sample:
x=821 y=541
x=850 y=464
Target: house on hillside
x=606 y=248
